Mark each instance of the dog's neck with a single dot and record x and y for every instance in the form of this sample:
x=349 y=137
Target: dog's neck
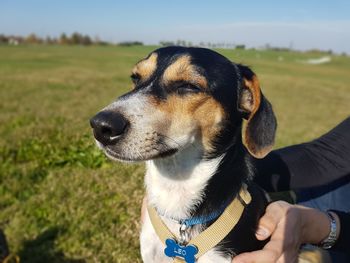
x=186 y=185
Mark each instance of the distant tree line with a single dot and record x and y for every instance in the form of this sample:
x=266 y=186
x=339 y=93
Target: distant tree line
x=81 y=39
x=238 y=46
x=130 y=43
x=200 y=44
x=64 y=39
x=85 y=40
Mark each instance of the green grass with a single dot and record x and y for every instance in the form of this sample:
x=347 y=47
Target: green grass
x=61 y=200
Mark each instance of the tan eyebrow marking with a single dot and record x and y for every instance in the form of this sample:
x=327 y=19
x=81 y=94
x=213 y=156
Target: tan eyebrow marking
x=183 y=70
x=146 y=67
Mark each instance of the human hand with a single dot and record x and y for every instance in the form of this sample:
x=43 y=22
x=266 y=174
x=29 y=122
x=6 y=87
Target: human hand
x=289 y=226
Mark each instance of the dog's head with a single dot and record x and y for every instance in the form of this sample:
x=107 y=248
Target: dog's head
x=186 y=98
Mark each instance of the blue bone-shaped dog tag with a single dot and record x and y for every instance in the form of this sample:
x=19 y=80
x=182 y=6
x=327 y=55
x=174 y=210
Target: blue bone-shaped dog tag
x=173 y=249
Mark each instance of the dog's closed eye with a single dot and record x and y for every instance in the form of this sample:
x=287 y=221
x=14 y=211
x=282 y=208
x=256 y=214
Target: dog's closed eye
x=186 y=88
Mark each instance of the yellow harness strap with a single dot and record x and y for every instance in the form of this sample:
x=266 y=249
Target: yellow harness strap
x=178 y=260
x=216 y=232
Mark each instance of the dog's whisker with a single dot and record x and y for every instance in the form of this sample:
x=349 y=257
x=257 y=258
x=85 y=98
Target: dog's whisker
x=180 y=146
x=170 y=139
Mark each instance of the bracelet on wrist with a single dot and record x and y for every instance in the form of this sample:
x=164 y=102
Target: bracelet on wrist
x=329 y=241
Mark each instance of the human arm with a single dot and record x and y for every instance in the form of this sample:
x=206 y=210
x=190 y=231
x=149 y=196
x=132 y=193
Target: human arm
x=343 y=242
x=317 y=163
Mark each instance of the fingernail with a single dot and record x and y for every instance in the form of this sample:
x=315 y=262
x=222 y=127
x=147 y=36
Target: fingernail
x=262 y=232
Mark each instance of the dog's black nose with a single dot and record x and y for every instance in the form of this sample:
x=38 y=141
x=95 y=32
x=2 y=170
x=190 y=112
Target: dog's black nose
x=108 y=126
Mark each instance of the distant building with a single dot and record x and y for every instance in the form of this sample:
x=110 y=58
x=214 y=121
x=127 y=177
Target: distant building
x=13 y=41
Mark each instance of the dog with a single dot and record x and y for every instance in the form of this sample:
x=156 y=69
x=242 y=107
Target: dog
x=184 y=118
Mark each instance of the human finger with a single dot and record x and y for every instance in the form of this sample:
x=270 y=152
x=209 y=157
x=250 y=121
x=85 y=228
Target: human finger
x=270 y=220
x=260 y=256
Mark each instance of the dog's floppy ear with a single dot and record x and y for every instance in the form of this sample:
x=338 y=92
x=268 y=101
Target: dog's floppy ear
x=259 y=134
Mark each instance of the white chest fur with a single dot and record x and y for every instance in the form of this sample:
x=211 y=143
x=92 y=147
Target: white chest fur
x=174 y=187
x=152 y=249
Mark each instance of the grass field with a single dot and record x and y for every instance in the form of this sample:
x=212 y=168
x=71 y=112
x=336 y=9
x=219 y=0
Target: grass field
x=61 y=200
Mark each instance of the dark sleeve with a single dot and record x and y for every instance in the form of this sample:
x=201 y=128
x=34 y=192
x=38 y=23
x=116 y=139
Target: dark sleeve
x=321 y=162
x=343 y=242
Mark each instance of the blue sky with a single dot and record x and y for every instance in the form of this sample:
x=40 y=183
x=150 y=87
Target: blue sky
x=304 y=24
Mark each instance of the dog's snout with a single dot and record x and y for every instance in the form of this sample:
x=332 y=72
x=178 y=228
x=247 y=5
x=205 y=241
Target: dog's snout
x=108 y=126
